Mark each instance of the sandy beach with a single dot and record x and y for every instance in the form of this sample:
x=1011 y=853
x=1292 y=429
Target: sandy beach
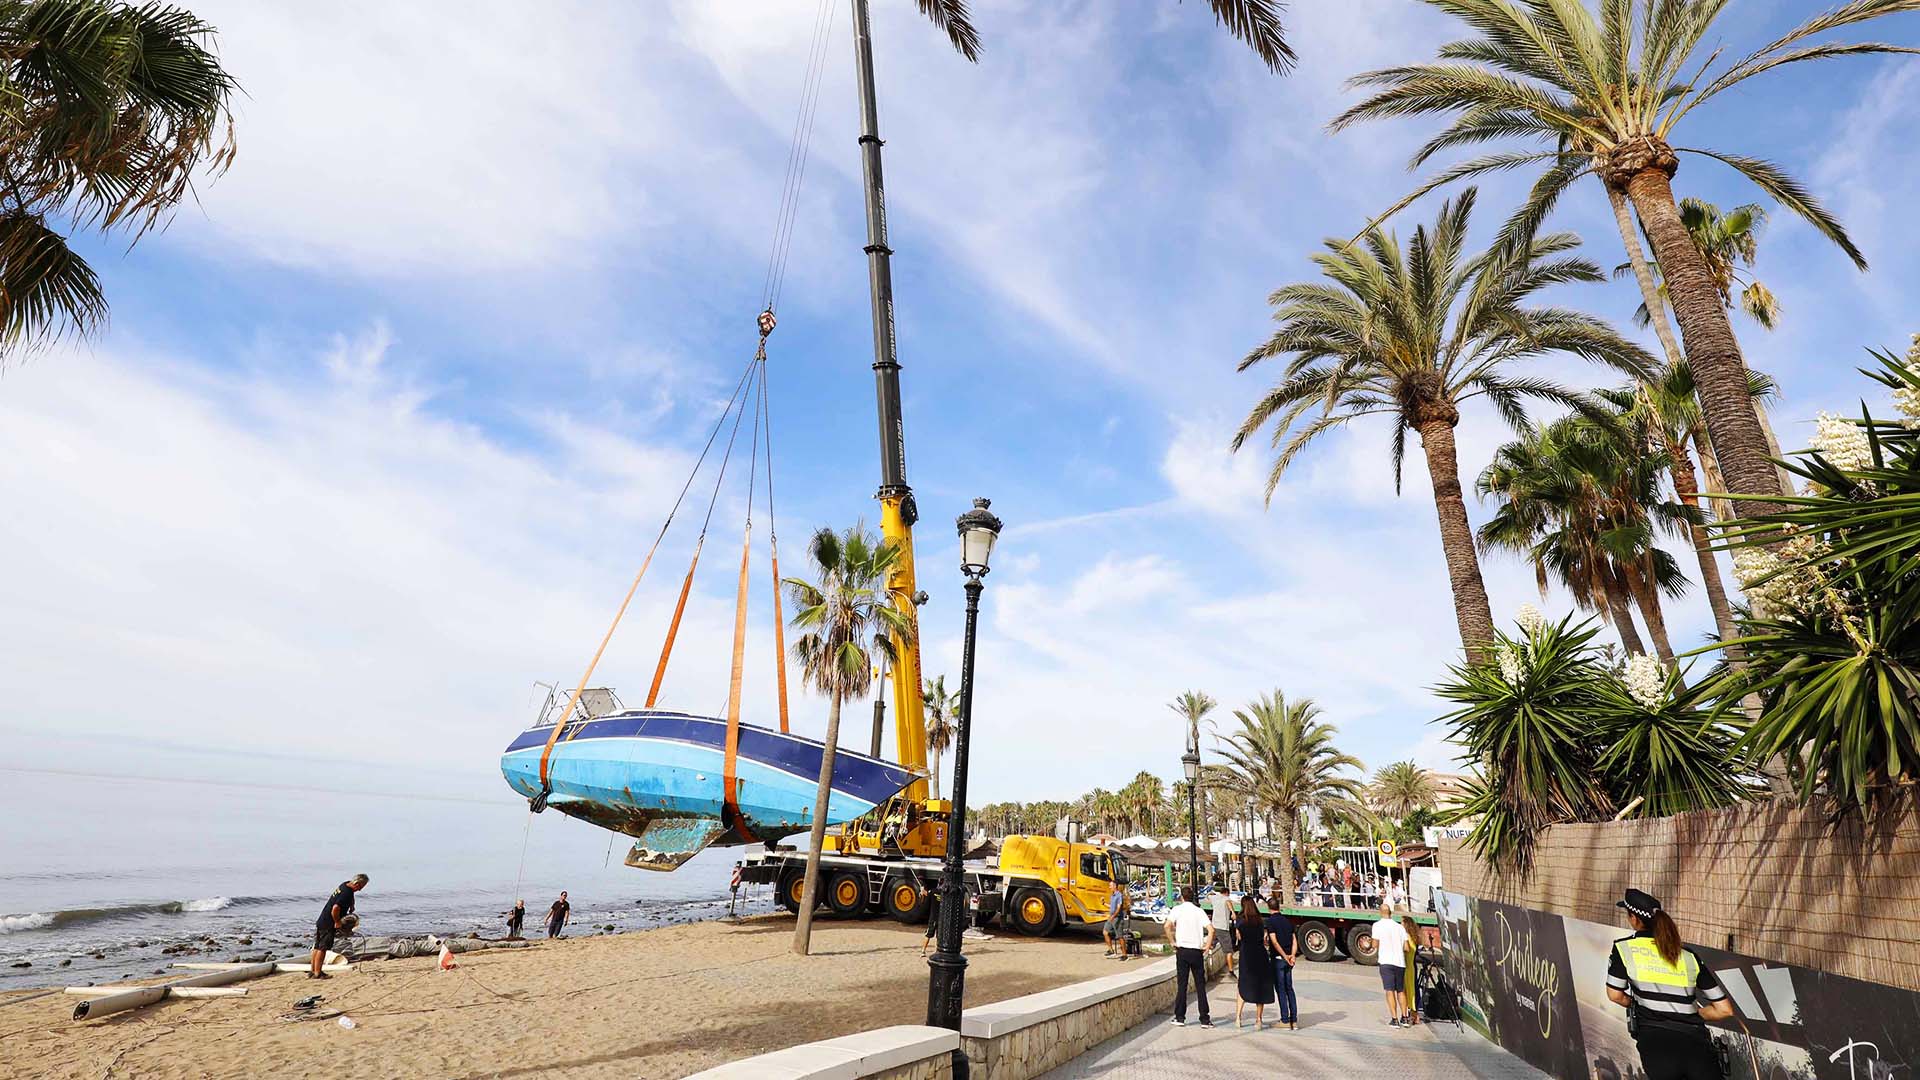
x=652 y=1004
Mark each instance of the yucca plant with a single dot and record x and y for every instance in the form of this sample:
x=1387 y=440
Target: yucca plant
x=1525 y=724
x=1665 y=744
x=1832 y=633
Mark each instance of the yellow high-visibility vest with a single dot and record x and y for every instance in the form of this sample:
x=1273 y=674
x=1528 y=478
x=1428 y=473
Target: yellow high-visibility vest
x=1657 y=986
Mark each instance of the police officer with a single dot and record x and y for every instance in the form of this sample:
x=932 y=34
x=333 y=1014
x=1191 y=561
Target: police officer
x=1668 y=993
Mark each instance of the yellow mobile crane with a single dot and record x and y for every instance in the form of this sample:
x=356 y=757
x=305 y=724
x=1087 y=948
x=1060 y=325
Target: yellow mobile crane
x=887 y=861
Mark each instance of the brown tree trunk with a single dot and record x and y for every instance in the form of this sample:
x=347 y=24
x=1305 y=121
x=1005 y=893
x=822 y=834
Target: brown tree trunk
x=817 y=836
x=933 y=772
x=1621 y=613
x=1471 y=608
x=1647 y=595
x=1643 y=169
x=1289 y=828
x=1686 y=487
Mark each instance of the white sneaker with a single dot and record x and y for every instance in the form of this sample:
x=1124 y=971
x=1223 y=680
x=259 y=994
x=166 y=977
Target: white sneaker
x=1177 y=1022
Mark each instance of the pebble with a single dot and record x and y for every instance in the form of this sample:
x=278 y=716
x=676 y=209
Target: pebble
x=246 y=941
x=69 y=962
x=23 y=963
x=99 y=956
x=139 y=944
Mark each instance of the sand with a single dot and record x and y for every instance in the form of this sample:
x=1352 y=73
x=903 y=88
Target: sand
x=650 y=1004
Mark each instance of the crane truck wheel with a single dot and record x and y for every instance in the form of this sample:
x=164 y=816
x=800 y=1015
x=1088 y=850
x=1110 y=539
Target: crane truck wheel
x=846 y=893
x=1362 y=947
x=906 y=900
x=1317 y=942
x=792 y=887
x=1033 y=913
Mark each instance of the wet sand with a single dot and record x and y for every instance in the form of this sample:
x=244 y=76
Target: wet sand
x=651 y=1004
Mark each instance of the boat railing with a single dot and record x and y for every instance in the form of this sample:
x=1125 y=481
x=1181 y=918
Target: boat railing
x=595 y=701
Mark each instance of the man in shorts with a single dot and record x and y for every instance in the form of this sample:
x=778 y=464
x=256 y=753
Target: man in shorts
x=1391 y=939
x=333 y=919
x=1119 y=916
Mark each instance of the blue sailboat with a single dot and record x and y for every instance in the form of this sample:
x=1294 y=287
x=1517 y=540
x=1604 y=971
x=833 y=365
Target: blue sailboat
x=659 y=776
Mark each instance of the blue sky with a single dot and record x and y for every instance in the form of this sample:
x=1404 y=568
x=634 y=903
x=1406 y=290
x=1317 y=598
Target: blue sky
x=382 y=427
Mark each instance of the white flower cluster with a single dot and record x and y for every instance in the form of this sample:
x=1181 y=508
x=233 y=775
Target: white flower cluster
x=1907 y=398
x=1646 y=680
x=1842 y=442
x=1796 y=589
x=1510 y=665
x=1530 y=619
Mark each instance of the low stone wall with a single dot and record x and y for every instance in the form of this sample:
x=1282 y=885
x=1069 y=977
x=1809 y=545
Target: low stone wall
x=1025 y=1037
x=1007 y=1040
x=1767 y=879
x=907 y=1052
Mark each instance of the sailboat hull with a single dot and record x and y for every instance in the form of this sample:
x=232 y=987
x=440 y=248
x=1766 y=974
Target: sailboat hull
x=659 y=777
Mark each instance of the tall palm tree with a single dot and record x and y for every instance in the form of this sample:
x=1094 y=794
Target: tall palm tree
x=1282 y=756
x=1193 y=706
x=846 y=616
x=1414 y=335
x=111 y=109
x=1256 y=22
x=1403 y=787
x=1581 y=499
x=1606 y=93
x=943 y=708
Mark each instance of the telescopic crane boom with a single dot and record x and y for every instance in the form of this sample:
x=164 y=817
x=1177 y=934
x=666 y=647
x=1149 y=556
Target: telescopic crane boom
x=897 y=509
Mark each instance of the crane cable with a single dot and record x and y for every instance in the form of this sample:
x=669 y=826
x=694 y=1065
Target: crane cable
x=797 y=152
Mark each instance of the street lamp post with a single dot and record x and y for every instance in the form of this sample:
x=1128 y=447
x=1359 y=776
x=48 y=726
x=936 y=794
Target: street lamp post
x=947 y=969
x=1246 y=856
x=1190 y=764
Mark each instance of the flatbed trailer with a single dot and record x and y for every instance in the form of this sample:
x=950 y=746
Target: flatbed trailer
x=1328 y=933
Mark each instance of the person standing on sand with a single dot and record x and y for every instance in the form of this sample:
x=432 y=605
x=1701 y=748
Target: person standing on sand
x=335 y=917
x=1119 y=908
x=1191 y=935
x=558 y=914
x=516 y=919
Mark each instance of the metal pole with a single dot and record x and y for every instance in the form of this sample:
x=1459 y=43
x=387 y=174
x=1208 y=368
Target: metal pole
x=946 y=981
x=886 y=365
x=1193 y=835
x=879 y=715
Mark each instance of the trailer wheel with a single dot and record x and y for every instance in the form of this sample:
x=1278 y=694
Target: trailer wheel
x=846 y=893
x=1033 y=913
x=906 y=900
x=1361 y=946
x=1316 y=941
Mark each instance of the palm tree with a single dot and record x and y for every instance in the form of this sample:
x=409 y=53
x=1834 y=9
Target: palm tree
x=111 y=109
x=1283 y=757
x=1606 y=95
x=1581 y=499
x=1414 y=336
x=1192 y=706
x=845 y=616
x=942 y=708
x=1403 y=787
x=1256 y=22
x=1727 y=242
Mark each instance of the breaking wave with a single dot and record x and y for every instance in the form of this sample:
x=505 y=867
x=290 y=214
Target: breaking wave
x=41 y=920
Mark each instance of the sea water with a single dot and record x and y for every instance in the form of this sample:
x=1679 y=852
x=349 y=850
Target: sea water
x=120 y=857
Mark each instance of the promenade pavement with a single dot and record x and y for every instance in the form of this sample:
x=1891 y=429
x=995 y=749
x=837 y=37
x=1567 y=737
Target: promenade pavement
x=1343 y=1036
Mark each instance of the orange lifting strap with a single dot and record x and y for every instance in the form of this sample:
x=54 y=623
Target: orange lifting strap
x=773 y=537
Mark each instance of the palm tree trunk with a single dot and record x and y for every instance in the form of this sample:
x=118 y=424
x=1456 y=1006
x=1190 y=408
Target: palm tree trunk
x=1621 y=614
x=817 y=836
x=1643 y=273
x=1710 y=471
x=1470 y=606
x=1647 y=595
x=1642 y=169
x=1289 y=822
x=933 y=773
x=1686 y=487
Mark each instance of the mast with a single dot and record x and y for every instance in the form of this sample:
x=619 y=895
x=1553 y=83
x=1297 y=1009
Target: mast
x=897 y=509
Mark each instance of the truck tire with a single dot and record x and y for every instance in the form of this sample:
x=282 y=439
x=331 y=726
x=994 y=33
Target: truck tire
x=792 y=887
x=846 y=893
x=1361 y=946
x=906 y=900
x=1033 y=913
x=1317 y=942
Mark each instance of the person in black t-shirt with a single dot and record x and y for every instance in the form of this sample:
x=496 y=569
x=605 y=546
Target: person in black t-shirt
x=335 y=917
x=516 y=918
x=558 y=914
x=1284 y=947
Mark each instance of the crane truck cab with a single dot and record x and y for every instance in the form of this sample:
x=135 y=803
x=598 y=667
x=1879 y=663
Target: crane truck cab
x=1047 y=883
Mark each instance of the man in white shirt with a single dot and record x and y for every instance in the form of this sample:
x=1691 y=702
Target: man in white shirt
x=1391 y=939
x=1397 y=895
x=1191 y=934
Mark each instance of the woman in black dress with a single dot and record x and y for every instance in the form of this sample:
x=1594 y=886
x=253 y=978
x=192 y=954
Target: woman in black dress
x=1256 y=971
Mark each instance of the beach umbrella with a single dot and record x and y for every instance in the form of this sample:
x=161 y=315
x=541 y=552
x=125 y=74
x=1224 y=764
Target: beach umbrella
x=1141 y=841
